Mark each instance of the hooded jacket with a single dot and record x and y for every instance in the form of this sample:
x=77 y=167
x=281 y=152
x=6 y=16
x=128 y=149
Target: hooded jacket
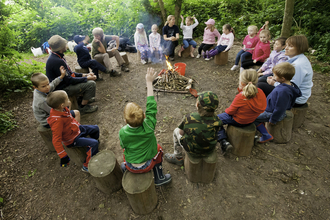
x=65 y=129
x=245 y=111
x=282 y=98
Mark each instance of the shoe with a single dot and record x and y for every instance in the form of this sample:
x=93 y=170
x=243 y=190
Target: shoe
x=124 y=68
x=143 y=62
x=171 y=58
x=149 y=60
x=91 y=100
x=99 y=79
x=265 y=134
x=241 y=69
x=192 y=55
x=114 y=73
x=160 y=178
x=88 y=109
x=207 y=58
x=203 y=54
x=226 y=147
x=198 y=56
x=160 y=60
x=84 y=169
x=171 y=158
x=235 y=67
x=123 y=167
x=107 y=71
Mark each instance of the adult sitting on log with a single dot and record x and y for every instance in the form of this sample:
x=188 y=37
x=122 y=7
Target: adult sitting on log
x=102 y=55
x=73 y=83
x=171 y=37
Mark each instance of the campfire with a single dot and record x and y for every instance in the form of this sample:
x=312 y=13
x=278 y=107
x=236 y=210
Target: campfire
x=171 y=80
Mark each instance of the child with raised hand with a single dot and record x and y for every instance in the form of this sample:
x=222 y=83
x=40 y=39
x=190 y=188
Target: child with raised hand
x=210 y=33
x=154 y=40
x=248 y=104
x=42 y=88
x=188 y=34
x=68 y=131
x=282 y=98
x=141 y=43
x=137 y=138
x=225 y=42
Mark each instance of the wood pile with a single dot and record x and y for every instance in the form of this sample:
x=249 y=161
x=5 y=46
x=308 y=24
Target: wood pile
x=171 y=80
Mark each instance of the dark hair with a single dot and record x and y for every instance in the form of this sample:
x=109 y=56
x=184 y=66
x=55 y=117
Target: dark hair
x=57 y=98
x=300 y=42
x=281 y=40
x=36 y=78
x=285 y=70
x=229 y=28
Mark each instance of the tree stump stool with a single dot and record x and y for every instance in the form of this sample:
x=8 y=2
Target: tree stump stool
x=242 y=139
x=74 y=103
x=221 y=58
x=138 y=55
x=186 y=52
x=106 y=171
x=125 y=57
x=78 y=69
x=76 y=154
x=47 y=135
x=200 y=169
x=282 y=131
x=299 y=114
x=141 y=192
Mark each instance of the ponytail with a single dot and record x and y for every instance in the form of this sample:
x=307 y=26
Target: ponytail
x=250 y=79
x=229 y=28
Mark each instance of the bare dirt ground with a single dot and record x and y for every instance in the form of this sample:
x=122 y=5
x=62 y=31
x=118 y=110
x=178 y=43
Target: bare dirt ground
x=277 y=181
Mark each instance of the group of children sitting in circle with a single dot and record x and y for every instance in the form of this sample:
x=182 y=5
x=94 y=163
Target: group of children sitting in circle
x=283 y=81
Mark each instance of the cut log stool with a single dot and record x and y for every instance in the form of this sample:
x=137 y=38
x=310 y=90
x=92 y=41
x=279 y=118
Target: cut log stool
x=299 y=114
x=74 y=103
x=282 y=131
x=78 y=69
x=106 y=171
x=221 y=58
x=76 y=154
x=47 y=136
x=138 y=56
x=141 y=192
x=125 y=57
x=186 y=52
x=242 y=139
x=200 y=169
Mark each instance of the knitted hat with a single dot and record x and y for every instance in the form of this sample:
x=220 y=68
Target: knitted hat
x=57 y=43
x=208 y=100
x=139 y=26
x=98 y=31
x=79 y=38
x=210 y=21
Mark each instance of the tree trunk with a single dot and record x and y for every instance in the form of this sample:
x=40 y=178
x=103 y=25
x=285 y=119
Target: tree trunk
x=287 y=19
x=178 y=5
x=162 y=10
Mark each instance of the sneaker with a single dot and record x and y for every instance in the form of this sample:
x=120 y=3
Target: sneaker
x=88 y=109
x=166 y=180
x=235 y=67
x=91 y=100
x=198 y=56
x=84 y=169
x=149 y=60
x=143 y=62
x=114 y=73
x=124 y=68
x=226 y=147
x=207 y=58
x=171 y=58
x=99 y=79
x=171 y=158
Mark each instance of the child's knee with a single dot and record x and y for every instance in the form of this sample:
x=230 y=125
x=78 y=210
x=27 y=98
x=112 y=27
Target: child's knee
x=76 y=113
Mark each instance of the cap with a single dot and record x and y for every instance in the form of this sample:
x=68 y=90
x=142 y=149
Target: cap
x=79 y=38
x=210 y=21
x=208 y=100
x=139 y=26
x=57 y=43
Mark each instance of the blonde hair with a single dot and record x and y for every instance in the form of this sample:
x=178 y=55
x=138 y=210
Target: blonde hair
x=255 y=28
x=133 y=114
x=57 y=98
x=190 y=19
x=37 y=78
x=265 y=32
x=168 y=19
x=155 y=25
x=285 y=70
x=250 y=79
x=212 y=28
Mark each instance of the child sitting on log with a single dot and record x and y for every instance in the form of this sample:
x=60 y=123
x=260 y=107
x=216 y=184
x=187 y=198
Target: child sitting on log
x=248 y=104
x=197 y=133
x=154 y=40
x=188 y=35
x=141 y=43
x=282 y=98
x=137 y=138
x=68 y=131
x=42 y=87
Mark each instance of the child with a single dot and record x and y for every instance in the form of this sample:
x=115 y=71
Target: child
x=141 y=43
x=249 y=42
x=210 y=32
x=248 y=104
x=137 y=138
x=276 y=56
x=154 y=39
x=282 y=98
x=68 y=131
x=42 y=87
x=171 y=36
x=84 y=58
x=225 y=42
x=197 y=133
x=188 y=34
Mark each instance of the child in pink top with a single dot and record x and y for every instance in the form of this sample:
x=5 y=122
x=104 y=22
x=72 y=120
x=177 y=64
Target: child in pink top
x=210 y=32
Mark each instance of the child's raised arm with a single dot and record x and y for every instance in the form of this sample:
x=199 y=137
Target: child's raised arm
x=150 y=76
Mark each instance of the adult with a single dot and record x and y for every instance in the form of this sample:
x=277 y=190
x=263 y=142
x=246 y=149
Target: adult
x=73 y=83
x=295 y=48
x=102 y=55
x=171 y=36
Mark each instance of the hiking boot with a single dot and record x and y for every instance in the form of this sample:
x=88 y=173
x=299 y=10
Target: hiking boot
x=143 y=62
x=171 y=158
x=84 y=169
x=171 y=58
x=114 y=73
x=124 y=68
x=88 y=109
x=91 y=100
x=99 y=79
x=160 y=178
x=226 y=147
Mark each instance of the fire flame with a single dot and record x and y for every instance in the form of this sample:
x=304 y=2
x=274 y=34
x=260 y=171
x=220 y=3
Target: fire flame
x=169 y=65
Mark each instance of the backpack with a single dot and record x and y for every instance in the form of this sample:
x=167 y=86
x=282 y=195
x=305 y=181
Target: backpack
x=44 y=46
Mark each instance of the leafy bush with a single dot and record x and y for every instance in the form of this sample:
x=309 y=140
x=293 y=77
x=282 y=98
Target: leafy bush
x=7 y=122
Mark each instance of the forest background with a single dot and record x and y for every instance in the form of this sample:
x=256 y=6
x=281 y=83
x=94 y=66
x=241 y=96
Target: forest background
x=29 y=23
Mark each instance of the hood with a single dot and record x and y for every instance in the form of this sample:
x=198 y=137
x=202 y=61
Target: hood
x=294 y=89
x=259 y=102
x=54 y=115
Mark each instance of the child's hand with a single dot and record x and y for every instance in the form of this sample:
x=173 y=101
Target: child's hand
x=151 y=74
x=181 y=17
x=266 y=23
x=63 y=72
x=65 y=161
x=86 y=39
x=270 y=80
x=254 y=61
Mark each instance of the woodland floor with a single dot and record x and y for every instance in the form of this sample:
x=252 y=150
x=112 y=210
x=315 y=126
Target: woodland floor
x=277 y=181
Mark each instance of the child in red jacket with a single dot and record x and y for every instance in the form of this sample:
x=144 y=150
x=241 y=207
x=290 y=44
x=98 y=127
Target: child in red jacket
x=68 y=131
x=248 y=104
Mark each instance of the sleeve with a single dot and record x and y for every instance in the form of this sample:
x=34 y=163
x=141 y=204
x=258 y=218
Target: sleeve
x=151 y=112
x=231 y=42
x=135 y=40
x=182 y=26
x=181 y=125
x=217 y=34
x=177 y=30
x=151 y=41
x=266 y=66
x=78 y=47
x=235 y=105
x=245 y=39
x=266 y=53
x=57 y=129
x=300 y=74
x=195 y=24
x=219 y=40
x=164 y=30
x=282 y=99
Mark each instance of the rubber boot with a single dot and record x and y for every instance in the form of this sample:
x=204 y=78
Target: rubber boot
x=160 y=178
x=212 y=53
x=265 y=135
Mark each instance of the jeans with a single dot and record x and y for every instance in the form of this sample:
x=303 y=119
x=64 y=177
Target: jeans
x=242 y=55
x=204 y=47
x=94 y=65
x=187 y=42
x=144 y=166
x=169 y=47
x=265 y=116
x=227 y=120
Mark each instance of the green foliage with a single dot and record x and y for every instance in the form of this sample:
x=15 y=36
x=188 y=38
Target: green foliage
x=7 y=122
